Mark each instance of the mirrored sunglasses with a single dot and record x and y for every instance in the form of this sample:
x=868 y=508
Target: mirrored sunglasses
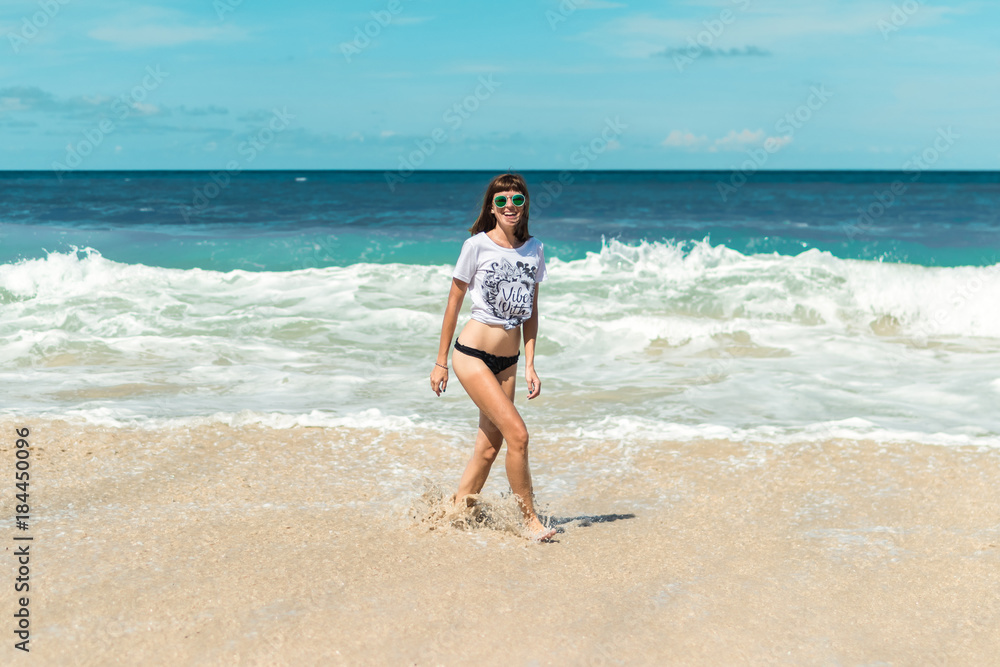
x=500 y=201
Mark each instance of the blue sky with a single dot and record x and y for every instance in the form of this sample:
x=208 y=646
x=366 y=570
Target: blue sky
x=571 y=84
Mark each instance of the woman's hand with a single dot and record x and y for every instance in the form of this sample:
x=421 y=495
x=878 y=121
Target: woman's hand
x=439 y=376
x=534 y=384
x=439 y=379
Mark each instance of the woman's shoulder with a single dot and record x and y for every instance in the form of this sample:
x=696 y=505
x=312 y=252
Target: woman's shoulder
x=474 y=239
x=534 y=243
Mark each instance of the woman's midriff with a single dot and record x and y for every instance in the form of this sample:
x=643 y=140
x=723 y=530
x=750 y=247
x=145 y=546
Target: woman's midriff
x=491 y=338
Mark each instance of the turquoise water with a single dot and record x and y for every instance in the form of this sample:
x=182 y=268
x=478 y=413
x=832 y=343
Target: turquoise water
x=281 y=221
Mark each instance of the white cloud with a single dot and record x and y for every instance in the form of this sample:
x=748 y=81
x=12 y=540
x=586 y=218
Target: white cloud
x=145 y=109
x=33 y=98
x=738 y=141
x=144 y=26
x=709 y=52
x=642 y=35
x=131 y=37
x=733 y=141
x=679 y=139
x=742 y=140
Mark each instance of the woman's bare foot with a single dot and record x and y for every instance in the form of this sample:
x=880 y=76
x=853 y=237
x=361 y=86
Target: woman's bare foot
x=538 y=532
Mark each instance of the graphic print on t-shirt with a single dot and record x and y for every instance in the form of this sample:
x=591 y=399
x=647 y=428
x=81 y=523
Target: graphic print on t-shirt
x=509 y=289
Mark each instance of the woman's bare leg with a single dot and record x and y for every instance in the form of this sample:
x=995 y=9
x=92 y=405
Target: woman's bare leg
x=494 y=395
x=489 y=439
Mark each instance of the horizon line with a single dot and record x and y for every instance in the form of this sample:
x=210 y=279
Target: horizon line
x=491 y=171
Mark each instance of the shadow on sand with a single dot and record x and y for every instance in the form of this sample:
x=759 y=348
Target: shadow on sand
x=586 y=520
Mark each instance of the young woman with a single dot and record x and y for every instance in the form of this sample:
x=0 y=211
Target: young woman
x=501 y=266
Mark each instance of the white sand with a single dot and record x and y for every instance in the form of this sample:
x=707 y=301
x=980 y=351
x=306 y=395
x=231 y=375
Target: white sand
x=222 y=546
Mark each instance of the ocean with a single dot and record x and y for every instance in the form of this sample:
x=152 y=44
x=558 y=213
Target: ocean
x=798 y=306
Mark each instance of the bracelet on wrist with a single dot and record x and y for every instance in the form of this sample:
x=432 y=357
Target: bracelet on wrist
x=437 y=364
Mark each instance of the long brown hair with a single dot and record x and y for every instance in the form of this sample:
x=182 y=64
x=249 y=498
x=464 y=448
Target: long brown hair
x=487 y=221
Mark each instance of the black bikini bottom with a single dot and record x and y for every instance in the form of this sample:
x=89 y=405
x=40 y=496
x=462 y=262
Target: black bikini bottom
x=493 y=362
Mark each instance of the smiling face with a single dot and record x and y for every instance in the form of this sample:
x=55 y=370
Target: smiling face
x=507 y=216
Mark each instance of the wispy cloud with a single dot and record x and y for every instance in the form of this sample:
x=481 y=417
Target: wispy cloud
x=142 y=36
x=760 y=28
x=709 y=52
x=33 y=98
x=679 y=139
x=740 y=141
x=733 y=141
x=146 y=26
x=21 y=106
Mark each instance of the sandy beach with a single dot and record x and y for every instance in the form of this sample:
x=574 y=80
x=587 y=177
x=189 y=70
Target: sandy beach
x=216 y=545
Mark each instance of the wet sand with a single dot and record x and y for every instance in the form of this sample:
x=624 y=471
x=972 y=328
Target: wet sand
x=219 y=545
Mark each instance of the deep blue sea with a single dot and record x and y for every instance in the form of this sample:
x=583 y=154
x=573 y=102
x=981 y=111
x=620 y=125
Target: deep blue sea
x=800 y=305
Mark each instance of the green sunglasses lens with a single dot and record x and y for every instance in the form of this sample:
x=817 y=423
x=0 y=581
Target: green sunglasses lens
x=501 y=201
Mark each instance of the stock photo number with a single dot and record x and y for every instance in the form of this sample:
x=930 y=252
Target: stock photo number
x=22 y=475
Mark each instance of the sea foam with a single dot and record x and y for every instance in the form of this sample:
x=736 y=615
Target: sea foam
x=683 y=335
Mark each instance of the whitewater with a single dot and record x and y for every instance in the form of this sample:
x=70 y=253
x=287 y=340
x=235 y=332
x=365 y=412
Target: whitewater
x=648 y=340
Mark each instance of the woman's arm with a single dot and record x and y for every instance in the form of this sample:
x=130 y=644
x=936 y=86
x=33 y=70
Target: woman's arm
x=439 y=376
x=530 y=333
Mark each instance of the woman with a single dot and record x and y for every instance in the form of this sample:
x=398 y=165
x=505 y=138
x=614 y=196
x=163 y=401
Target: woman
x=502 y=265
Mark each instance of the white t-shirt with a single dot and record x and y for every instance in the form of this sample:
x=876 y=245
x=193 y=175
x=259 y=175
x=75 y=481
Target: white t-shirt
x=501 y=280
